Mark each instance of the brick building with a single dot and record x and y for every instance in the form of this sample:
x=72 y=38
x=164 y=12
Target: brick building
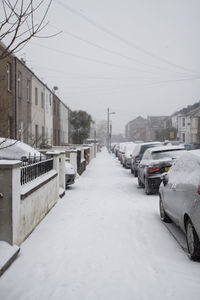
x=7 y=101
x=23 y=101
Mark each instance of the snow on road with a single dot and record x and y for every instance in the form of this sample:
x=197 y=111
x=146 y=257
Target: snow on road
x=104 y=240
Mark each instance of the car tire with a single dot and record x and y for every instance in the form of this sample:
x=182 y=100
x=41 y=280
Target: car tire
x=140 y=183
x=193 y=242
x=163 y=215
x=146 y=187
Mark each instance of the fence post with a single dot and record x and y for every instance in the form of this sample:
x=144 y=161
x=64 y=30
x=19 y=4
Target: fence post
x=73 y=159
x=55 y=155
x=9 y=200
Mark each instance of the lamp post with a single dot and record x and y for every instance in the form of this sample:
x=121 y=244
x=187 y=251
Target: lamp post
x=109 y=129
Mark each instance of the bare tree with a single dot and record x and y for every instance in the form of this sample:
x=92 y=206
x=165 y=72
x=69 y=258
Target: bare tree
x=21 y=20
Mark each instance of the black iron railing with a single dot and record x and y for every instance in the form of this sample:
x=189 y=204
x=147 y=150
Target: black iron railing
x=31 y=171
x=31 y=159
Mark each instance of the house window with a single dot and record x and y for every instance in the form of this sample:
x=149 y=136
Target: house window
x=183 y=137
x=42 y=100
x=28 y=90
x=29 y=133
x=183 y=122
x=43 y=135
x=9 y=76
x=19 y=84
x=36 y=135
x=21 y=131
x=50 y=99
x=36 y=96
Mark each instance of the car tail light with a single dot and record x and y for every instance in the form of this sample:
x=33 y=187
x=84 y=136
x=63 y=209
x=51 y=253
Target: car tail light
x=198 y=191
x=154 y=169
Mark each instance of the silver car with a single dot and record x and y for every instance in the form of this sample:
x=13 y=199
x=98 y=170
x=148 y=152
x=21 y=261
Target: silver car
x=180 y=199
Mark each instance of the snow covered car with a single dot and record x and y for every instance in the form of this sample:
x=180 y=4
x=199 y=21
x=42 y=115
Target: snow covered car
x=137 y=154
x=121 y=151
x=126 y=158
x=13 y=149
x=179 y=195
x=70 y=174
x=155 y=162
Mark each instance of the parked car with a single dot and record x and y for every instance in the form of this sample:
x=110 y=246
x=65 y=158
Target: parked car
x=137 y=155
x=125 y=148
x=121 y=151
x=116 y=150
x=17 y=150
x=155 y=162
x=70 y=174
x=126 y=158
x=179 y=195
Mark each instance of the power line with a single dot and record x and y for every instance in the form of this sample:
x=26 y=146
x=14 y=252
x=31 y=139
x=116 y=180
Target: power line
x=114 y=52
x=120 y=38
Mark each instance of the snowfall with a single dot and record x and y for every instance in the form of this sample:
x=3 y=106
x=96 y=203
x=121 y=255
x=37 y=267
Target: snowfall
x=104 y=240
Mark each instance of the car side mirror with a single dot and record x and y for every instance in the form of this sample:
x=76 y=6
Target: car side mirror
x=165 y=178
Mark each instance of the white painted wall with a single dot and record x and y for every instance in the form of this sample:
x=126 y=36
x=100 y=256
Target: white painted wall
x=35 y=206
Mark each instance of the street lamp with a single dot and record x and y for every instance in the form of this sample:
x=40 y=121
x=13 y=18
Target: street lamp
x=109 y=129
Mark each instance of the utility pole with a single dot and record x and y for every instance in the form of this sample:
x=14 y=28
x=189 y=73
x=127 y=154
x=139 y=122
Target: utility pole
x=108 y=131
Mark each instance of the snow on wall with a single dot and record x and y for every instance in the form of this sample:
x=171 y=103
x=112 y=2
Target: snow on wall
x=36 y=204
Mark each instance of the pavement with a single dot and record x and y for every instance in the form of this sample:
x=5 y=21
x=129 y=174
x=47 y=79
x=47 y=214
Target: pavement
x=8 y=254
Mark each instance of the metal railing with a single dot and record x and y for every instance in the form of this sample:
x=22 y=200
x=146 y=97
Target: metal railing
x=32 y=171
x=31 y=159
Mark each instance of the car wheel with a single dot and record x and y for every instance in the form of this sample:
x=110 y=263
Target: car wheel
x=163 y=215
x=140 y=182
x=146 y=186
x=193 y=243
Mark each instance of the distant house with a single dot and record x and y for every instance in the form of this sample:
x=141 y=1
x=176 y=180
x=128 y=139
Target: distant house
x=195 y=127
x=187 y=122
x=136 y=130
x=155 y=124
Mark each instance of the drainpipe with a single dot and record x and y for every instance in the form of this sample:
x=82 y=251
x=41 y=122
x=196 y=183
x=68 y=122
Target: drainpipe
x=15 y=99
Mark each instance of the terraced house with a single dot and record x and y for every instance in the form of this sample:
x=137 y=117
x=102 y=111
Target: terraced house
x=29 y=110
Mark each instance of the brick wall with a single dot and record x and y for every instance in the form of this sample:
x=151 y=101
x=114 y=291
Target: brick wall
x=7 y=104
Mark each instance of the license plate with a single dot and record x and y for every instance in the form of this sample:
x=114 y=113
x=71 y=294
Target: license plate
x=167 y=169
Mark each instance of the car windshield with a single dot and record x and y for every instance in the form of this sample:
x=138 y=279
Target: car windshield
x=145 y=147
x=167 y=154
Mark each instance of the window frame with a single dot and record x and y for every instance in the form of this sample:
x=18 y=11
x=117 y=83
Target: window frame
x=8 y=74
x=19 y=84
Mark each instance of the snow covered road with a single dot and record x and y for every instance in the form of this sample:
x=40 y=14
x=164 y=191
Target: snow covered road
x=104 y=240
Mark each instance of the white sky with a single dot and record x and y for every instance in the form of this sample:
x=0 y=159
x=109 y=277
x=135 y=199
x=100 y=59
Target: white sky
x=108 y=55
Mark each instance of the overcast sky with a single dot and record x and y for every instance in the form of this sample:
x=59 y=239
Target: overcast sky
x=137 y=57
